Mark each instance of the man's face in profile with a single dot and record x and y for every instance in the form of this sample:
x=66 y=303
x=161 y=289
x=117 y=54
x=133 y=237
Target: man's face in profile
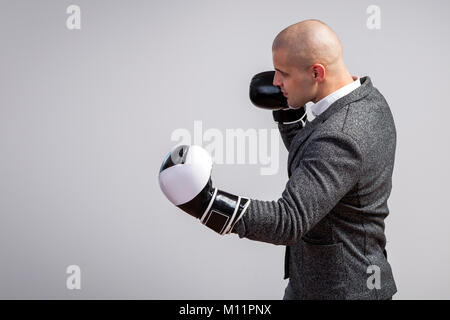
x=295 y=82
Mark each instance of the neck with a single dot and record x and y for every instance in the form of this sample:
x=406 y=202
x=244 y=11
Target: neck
x=333 y=85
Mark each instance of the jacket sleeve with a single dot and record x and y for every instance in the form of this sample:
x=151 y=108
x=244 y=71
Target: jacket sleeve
x=330 y=167
x=288 y=132
x=289 y=123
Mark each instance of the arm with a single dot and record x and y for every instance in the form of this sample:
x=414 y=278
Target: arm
x=290 y=122
x=265 y=95
x=330 y=167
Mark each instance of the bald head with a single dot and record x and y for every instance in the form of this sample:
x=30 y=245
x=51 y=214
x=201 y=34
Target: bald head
x=307 y=57
x=309 y=42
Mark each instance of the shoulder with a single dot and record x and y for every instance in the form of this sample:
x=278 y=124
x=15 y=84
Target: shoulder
x=366 y=121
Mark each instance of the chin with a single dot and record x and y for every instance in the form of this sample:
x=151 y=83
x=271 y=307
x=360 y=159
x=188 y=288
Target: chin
x=294 y=106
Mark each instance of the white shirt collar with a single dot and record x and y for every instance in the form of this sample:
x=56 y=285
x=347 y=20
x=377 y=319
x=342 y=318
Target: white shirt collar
x=322 y=105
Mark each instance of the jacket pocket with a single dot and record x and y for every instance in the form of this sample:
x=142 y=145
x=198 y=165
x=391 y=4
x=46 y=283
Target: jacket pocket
x=323 y=270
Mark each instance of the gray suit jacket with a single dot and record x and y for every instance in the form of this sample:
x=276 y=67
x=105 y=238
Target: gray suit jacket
x=331 y=213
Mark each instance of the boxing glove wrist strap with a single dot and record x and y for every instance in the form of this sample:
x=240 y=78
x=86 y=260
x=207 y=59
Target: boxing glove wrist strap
x=224 y=211
x=287 y=116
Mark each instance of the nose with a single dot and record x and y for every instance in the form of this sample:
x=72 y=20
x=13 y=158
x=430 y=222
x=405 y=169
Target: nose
x=276 y=79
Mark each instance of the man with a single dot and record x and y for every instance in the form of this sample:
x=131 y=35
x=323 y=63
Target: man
x=331 y=214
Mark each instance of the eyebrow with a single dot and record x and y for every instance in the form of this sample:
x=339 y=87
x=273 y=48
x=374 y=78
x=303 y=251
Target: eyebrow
x=280 y=70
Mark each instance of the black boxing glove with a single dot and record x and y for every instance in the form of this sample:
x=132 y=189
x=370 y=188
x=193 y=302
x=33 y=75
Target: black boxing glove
x=185 y=179
x=264 y=94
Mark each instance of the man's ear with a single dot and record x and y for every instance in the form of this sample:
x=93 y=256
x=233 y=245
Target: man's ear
x=318 y=72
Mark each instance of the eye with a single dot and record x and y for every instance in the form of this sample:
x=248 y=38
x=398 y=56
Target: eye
x=281 y=73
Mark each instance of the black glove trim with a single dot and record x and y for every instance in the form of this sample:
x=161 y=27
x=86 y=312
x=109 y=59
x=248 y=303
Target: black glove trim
x=224 y=211
x=285 y=116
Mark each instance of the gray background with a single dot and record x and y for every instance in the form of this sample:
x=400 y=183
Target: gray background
x=86 y=118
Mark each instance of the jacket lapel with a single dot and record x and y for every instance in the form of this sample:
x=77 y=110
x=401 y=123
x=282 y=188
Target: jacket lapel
x=303 y=134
